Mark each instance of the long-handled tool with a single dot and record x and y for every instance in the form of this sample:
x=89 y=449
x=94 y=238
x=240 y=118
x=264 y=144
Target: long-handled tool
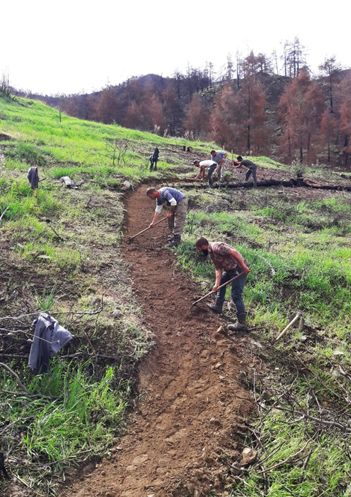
x=131 y=238
x=215 y=291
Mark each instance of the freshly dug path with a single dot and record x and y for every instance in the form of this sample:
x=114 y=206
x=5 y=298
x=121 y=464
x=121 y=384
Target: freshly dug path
x=191 y=401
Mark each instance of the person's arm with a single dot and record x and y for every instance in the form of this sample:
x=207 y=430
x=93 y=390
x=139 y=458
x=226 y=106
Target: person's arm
x=240 y=261
x=201 y=174
x=173 y=204
x=237 y=164
x=198 y=176
x=157 y=214
x=218 y=273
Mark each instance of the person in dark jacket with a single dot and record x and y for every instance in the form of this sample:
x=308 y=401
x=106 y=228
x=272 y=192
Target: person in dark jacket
x=250 y=166
x=33 y=177
x=154 y=159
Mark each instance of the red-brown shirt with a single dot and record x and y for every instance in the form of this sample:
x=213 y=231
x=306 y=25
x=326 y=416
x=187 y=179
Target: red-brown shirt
x=222 y=256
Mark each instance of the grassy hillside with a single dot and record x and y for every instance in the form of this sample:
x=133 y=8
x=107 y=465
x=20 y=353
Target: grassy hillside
x=60 y=252
x=298 y=246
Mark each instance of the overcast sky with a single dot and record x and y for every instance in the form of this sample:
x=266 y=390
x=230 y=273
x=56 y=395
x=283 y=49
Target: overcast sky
x=66 y=46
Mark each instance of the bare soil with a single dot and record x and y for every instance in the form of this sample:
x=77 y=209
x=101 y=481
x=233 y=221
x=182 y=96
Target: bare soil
x=191 y=401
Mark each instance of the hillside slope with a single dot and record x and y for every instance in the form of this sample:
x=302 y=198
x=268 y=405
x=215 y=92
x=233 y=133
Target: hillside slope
x=61 y=251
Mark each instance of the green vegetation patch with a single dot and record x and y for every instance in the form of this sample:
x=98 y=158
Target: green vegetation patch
x=299 y=252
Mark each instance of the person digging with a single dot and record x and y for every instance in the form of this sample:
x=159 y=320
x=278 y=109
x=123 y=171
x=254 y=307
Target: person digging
x=176 y=205
x=210 y=166
x=228 y=263
x=251 y=168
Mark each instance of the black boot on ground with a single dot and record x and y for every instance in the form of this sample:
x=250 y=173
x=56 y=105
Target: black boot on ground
x=216 y=308
x=175 y=241
x=240 y=325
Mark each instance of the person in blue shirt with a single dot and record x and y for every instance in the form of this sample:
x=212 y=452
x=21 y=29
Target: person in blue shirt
x=219 y=157
x=176 y=205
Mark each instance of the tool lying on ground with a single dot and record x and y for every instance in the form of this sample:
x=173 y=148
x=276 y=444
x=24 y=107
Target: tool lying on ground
x=131 y=238
x=215 y=291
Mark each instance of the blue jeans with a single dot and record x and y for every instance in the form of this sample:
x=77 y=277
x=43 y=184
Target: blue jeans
x=237 y=292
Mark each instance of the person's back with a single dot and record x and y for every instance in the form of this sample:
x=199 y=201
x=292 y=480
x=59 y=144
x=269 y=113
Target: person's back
x=167 y=192
x=248 y=163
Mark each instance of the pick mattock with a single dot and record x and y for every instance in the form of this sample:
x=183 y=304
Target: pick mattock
x=131 y=238
x=215 y=291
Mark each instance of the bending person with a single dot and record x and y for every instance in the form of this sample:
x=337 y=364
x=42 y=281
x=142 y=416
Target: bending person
x=210 y=166
x=228 y=263
x=176 y=204
x=250 y=166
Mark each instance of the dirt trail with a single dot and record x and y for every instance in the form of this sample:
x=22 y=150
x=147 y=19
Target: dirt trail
x=190 y=398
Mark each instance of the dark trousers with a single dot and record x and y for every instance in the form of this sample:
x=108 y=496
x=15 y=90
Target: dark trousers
x=153 y=164
x=252 y=172
x=211 y=170
x=236 y=292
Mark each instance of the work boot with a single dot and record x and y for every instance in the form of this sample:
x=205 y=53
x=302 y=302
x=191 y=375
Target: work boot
x=175 y=241
x=240 y=325
x=216 y=307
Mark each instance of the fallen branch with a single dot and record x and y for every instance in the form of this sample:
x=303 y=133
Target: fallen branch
x=11 y=371
x=76 y=313
x=288 y=326
x=3 y=213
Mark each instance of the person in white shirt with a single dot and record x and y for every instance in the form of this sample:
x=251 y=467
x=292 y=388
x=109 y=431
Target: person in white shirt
x=210 y=166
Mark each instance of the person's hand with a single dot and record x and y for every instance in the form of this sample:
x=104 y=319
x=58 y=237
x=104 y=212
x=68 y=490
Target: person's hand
x=170 y=214
x=215 y=288
x=246 y=270
x=151 y=224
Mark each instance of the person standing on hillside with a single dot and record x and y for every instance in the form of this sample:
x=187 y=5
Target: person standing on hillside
x=154 y=159
x=210 y=165
x=219 y=157
x=228 y=263
x=176 y=204
x=250 y=166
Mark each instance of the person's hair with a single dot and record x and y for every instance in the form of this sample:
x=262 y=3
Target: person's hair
x=239 y=158
x=201 y=242
x=196 y=162
x=150 y=190
x=213 y=151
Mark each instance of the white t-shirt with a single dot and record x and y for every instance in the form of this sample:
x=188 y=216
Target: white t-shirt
x=207 y=163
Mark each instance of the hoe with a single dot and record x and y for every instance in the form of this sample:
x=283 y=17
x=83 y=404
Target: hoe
x=131 y=238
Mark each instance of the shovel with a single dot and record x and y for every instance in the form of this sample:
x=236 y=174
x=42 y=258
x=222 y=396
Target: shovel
x=131 y=238
x=215 y=291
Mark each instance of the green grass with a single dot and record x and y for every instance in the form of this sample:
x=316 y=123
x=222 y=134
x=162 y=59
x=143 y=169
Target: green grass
x=72 y=414
x=299 y=253
x=40 y=138
x=56 y=245
x=297 y=463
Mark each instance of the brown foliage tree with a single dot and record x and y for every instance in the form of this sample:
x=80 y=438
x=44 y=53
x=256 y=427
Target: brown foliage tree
x=197 y=117
x=301 y=107
x=345 y=120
